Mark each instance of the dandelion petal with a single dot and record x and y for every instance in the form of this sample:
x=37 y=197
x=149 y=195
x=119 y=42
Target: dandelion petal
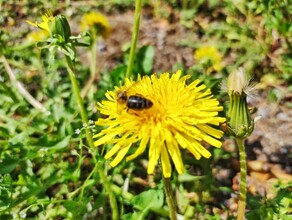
x=166 y=167
x=120 y=155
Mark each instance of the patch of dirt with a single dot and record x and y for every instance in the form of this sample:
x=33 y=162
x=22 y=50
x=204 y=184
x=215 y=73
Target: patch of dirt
x=165 y=38
x=271 y=140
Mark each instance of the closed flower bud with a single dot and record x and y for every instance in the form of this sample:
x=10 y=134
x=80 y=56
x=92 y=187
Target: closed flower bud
x=60 y=27
x=240 y=123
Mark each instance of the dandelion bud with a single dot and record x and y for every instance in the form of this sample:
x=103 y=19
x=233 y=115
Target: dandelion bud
x=60 y=27
x=240 y=123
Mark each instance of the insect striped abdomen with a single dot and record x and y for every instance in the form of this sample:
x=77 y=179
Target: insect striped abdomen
x=138 y=103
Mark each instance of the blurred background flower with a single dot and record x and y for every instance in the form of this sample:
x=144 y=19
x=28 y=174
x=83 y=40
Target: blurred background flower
x=47 y=18
x=210 y=57
x=96 y=23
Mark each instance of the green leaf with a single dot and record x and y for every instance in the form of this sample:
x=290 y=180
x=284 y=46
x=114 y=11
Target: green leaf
x=99 y=201
x=35 y=187
x=145 y=57
x=71 y=206
x=118 y=74
x=134 y=216
x=8 y=164
x=5 y=191
x=147 y=63
x=69 y=50
x=53 y=146
x=43 y=44
x=149 y=199
x=185 y=177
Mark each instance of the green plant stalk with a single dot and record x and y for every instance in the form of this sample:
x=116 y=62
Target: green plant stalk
x=93 y=56
x=112 y=197
x=84 y=117
x=134 y=37
x=169 y=198
x=85 y=183
x=242 y=192
x=79 y=100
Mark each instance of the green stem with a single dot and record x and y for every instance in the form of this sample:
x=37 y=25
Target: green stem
x=79 y=100
x=85 y=183
x=134 y=37
x=112 y=197
x=84 y=117
x=242 y=195
x=93 y=56
x=169 y=198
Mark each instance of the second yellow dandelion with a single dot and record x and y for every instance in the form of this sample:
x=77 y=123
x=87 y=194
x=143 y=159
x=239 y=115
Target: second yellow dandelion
x=209 y=56
x=96 y=23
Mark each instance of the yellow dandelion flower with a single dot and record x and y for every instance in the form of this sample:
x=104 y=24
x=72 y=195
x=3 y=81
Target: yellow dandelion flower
x=96 y=22
x=47 y=18
x=209 y=54
x=162 y=114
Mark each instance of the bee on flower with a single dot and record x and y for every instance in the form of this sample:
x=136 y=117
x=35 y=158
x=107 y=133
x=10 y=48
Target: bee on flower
x=161 y=115
x=136 y=102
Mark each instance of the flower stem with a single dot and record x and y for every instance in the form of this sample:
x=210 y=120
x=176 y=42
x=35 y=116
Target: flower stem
x=79 y=100
x=134 y=37
x=242 y=194
x=84 y=117
x=111 y=195
x=169 y=198
x=93 y=56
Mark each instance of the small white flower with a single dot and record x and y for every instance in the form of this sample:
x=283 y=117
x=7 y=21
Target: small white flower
x=42 y=152
x=22 y=214
x=91 y=122
x=77 y=131
x=89 y=207
x=84 y=125
x=74 y=152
